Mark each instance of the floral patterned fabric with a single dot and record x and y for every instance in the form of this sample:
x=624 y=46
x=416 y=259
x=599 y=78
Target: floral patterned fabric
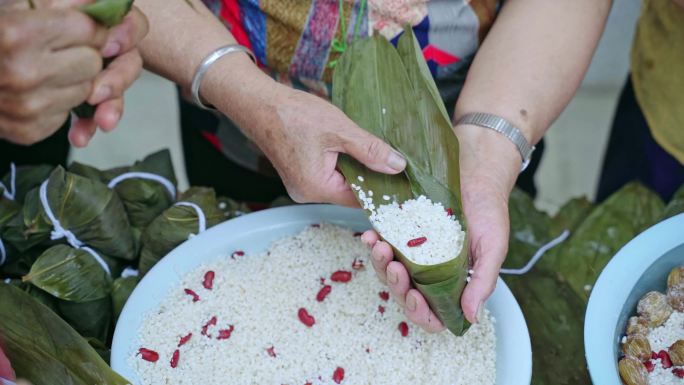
x=293 y=41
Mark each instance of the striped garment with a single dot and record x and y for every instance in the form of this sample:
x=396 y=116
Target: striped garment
x=293 y=41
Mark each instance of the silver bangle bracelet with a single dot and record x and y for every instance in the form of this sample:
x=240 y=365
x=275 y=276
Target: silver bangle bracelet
x=505 y=128
x=208 y=61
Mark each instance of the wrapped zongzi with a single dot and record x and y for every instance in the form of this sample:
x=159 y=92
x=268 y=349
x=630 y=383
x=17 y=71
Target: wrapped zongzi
x=391 y=93
x=87 y=208
x=177 y=223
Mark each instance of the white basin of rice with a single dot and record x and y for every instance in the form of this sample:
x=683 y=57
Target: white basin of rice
x=260 y=295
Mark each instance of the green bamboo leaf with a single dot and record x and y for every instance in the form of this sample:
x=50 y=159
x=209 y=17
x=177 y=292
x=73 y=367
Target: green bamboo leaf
x=530 y=229
x=176 y=224
x=434 y=165
x=121 y=290
x=610 y=226
x=676 y=204
x=70 y=274
x=90 y=319
x=27 y=178
x=44 y=349
x=108 y=12
x=388 y=95
x=143 y=199
x=571 y=214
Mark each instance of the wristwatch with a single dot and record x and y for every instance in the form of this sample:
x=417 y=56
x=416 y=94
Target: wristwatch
x=505 y=128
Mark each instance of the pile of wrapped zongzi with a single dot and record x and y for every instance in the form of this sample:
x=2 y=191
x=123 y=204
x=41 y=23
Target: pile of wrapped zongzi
x=76 y=240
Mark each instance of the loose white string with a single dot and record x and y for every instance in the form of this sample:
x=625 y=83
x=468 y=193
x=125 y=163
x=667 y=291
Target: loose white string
x=537 y=256
x=3 y=253
x=145 y=175
x=60 y=232
x=200 y=214
x=10 y=193
x=129 y=272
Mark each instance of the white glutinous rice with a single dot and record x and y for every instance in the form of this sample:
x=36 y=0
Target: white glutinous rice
x=356 y=338
x=421 y=229
x=661 y=338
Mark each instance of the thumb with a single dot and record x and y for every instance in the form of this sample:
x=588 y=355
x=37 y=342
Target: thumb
x=372 y=152
x=488 y=235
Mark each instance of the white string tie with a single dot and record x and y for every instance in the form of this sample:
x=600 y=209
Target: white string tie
x=144 y=175
x=59 y=232
x=10 y=193
x=200 y=215
x=129 y=272
x=3 y=253
x=537 y=256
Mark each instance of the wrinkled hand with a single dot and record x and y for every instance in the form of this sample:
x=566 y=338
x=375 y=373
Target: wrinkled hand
x=489 y=168
x=53 y=59
x=303 y=137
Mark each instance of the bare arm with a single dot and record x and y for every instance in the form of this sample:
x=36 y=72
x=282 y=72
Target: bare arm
x=526 y=71
x=301 y=134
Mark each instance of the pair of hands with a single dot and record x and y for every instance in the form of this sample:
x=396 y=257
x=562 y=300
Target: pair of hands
x=303 y=136
x=52 y=61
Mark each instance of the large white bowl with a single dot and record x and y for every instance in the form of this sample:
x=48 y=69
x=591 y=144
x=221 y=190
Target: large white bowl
x=642 y=265
x=253 y=233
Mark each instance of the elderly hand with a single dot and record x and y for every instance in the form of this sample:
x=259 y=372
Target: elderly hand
x=303 y=135
x=489 y=168
x=53 y=62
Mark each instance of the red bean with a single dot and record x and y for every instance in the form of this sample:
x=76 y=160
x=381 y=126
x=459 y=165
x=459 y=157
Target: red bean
x=665 y=359
x=192 y=293
x=211 y=322
x=450 y=212
x=148 y=355
x=184 y=340
x=384 y=295
x=238 y=253
x=225 y=333
x=341 y=276
x=306 y=318
x=381 y=309
x=403 y=329
x=649 y=366
x=679 y=372
x=271 y=351
x=209 y=280
x=325 y=290
x=416 y=242
x=338 y=375
x=175 y=358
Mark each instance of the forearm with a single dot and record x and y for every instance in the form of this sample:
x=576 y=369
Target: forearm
x=533 y=60
x=181 y=36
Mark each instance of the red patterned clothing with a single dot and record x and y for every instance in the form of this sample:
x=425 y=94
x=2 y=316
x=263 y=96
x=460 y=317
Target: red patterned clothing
x=293 y=41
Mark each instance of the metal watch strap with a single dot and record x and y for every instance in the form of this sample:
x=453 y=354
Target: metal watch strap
x=208 y=61
x=502 y=126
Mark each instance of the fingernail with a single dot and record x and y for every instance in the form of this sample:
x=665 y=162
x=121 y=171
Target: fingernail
x=364 y=239
x=479 y=316
x=396 y=161
x=392 y=277
x=110 y=49
x=5 y=381
x=101 y=94
x=411 y=302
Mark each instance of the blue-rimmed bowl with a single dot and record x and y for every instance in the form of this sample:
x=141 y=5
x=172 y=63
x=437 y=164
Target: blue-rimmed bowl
x=254 y=233
x=642 y=265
